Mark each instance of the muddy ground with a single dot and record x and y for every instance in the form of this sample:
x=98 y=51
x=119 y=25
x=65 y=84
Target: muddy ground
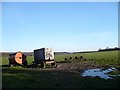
x=72 y=67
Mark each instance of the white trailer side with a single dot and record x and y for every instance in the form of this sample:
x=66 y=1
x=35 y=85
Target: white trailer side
x=49 y=54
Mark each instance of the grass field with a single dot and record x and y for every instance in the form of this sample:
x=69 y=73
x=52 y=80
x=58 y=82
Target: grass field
x=20 y=77
x=103 y=58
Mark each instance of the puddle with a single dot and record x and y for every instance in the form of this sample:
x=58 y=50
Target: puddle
x=99 y=72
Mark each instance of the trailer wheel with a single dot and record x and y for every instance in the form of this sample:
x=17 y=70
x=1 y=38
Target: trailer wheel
x=42 y=64
x=54 y=65
x=9 y=63
x=25 y=63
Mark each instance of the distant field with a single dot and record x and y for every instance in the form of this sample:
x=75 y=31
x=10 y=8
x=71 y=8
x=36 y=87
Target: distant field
x=101 y=58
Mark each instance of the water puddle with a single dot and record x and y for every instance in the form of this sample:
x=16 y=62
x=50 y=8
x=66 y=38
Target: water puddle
x=99 y=72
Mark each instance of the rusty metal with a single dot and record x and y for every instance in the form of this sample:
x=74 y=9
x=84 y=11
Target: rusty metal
x=17 y=58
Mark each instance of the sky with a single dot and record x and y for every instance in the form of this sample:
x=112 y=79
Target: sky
x=63 y=26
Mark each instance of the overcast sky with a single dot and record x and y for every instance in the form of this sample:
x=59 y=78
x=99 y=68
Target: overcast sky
x=62 y=26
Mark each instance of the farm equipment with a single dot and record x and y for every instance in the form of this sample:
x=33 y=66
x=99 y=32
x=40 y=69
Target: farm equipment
x=17 y=59
x=44 y=56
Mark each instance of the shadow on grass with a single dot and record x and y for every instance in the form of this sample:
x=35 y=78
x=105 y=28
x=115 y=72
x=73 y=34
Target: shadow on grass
x=44 y=77
x=28 y=66
x=25 y=78
x=5 y=66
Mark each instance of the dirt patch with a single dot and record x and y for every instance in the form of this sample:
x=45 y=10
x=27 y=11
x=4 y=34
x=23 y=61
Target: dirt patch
x=72 y=67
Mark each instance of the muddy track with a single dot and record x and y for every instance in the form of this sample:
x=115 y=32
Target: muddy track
x=72 y=67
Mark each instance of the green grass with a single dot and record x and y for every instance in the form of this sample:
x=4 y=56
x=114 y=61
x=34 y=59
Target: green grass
x=101 y=58
x=20 y=77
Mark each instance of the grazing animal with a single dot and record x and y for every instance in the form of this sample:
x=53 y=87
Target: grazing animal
x=76 y=57
x=70 y=58
x=65 y=59
x=81 y=57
